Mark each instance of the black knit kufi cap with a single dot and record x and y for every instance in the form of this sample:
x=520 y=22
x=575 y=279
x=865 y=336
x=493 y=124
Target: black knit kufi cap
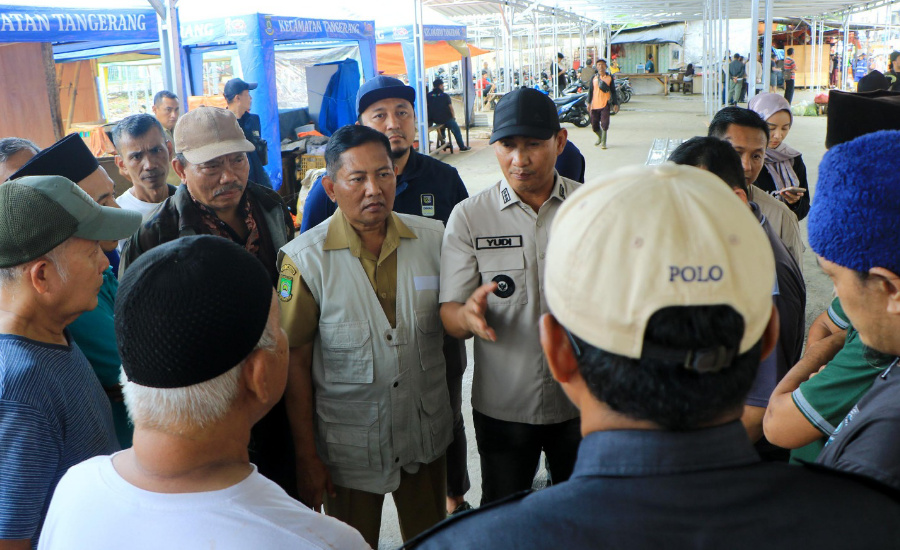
x=68 y=157
x=190 y=310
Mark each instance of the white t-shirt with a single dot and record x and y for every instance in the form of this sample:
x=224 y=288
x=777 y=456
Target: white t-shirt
x=94 y=508
x=128 y=201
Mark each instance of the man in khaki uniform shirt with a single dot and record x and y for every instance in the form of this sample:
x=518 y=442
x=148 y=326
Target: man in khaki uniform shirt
x=367 y=390
x=492 y=274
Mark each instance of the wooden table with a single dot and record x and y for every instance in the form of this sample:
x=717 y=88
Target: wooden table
x=662 y=78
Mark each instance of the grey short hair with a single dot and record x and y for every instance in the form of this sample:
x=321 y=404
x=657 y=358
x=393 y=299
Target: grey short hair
x=12 y=145
x=191 y=407
x=12 y=275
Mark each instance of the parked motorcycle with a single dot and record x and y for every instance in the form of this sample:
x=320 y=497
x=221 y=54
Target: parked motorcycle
x=574 y=88
x=573 y=108
x=624 y=91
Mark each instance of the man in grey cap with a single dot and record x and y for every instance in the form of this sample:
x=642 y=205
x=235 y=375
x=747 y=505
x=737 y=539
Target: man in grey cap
x=53 y=411
x=217 y=199
x=492 y=286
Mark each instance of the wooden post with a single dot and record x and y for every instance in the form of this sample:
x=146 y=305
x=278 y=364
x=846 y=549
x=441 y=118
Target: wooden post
x=72 y=95
x=52 y=89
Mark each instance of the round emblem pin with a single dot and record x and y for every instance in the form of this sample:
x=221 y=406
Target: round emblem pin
x=505 y=286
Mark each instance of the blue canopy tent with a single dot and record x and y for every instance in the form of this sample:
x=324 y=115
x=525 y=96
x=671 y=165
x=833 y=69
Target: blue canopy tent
x=255 y=36
x=77 y=28
x=76 y=31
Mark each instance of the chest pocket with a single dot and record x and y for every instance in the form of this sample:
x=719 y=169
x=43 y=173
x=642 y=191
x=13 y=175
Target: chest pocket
x=347 y=352
x=507 y=268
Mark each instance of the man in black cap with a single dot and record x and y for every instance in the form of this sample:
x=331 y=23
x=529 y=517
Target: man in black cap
x=492 y=268
x=93 y=330
x=217 y=199
x=440 y=111
x=203 y=359
x=425 y=187
x=237 y=94
x=53 y=412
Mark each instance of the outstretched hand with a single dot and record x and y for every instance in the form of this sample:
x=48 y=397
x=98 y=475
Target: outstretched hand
x=474 y=310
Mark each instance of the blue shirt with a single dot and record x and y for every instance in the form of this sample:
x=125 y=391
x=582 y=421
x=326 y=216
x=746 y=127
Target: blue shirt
x=570 y=163
x=427 y=187
x=53 y=415
x=652 y=489
x=95 y=333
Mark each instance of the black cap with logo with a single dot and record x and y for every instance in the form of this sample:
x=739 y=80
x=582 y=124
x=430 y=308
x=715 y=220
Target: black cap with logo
x=525 y=112
x=237 y=86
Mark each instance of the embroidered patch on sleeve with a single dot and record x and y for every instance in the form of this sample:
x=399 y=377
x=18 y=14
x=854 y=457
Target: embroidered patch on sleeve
x=286 y=282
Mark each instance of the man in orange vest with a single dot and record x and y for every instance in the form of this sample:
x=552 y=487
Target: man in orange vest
x=601 y=97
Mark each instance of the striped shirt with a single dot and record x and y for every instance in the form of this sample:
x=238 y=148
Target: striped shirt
x=53 y=415
x=789 y=68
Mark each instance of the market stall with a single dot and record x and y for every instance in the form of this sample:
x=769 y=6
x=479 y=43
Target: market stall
x=61 y=39
x=256 y=37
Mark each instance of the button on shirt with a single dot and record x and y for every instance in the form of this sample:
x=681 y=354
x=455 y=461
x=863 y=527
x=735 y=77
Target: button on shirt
x=300 y=315
x=494 y=236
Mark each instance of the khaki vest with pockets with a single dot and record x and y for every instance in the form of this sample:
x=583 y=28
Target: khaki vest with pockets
x=381 y=397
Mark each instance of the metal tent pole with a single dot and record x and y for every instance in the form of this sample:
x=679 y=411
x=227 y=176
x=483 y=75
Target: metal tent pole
x=754 y=47
x=557 y=66
x=843 y=60
x=812 y=58
x=706 y=65
x=767 y=50
x=419 y=83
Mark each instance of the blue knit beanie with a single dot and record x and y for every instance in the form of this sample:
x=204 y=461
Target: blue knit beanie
x=855 y=214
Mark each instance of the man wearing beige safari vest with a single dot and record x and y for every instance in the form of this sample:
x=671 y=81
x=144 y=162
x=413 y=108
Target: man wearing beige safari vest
x=367 y=393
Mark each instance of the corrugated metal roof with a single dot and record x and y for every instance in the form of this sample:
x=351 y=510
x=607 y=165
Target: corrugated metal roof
x=615 y=11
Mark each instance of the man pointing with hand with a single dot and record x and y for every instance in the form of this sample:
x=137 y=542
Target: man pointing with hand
x=492 y=272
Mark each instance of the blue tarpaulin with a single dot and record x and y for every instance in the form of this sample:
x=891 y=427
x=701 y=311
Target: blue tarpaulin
x=339 y=101
x=255 y=36
x=35 y=24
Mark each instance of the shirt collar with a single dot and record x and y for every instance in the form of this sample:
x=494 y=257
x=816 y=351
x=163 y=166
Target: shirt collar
x=630 y=453
x=508 y=196
x=341 y=235
x=757 y=211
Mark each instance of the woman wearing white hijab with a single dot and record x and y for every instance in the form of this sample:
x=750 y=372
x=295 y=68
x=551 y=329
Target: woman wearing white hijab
x=785 y=173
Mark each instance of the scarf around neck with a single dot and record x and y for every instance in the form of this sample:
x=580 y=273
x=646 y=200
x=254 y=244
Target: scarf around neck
x=780 y=166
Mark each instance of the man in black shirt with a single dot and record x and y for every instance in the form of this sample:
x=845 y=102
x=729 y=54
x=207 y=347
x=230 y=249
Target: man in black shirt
x=440 y=111
x=237 y=94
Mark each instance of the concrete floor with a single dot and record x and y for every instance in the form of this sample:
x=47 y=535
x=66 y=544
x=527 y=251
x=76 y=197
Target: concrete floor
x=631 y=134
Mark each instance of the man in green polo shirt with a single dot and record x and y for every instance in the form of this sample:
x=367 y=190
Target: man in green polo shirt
x=811 y=399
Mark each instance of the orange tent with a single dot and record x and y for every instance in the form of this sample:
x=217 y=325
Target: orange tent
x=391 y=61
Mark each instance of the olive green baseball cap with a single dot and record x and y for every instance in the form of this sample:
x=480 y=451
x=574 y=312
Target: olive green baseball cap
x=38 y=213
